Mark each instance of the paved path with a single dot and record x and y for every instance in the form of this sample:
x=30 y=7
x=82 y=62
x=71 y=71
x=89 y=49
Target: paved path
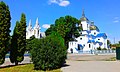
x=83 y=63
x=92 y=66
x=91 y=63
x=90 y=57
x=7 y=61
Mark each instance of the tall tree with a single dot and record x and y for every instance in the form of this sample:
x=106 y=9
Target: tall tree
x=68 y=27
x=4 y=30
x=14 y=44
x=18 y=42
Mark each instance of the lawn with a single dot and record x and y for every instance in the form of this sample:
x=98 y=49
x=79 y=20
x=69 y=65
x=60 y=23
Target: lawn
x=24 y=68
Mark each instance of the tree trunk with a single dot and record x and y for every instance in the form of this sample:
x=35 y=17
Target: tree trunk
x=16 y=63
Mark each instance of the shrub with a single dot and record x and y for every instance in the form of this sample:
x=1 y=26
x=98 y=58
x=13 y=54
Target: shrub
x=29 y=43
x=48 y=53
x=99 y=48
x=113 y=48
x=104 y=48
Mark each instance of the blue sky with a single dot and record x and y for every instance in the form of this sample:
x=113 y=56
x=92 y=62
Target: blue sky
x=105 y=13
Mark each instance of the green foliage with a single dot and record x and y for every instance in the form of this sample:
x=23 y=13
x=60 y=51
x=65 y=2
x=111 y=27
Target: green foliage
x=29 y=43
x=68 y=27
x=4 y=30
x=104 y=49
x=50 y=30
x=18 y=42
x=14 y=43
x=48 y=53
x=99 y=48
x=108 y=42
x=113 y=48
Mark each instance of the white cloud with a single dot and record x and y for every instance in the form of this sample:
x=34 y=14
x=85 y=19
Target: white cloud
x=63 y=3
x=116 y=20
x=46 y=26
x=53 y=1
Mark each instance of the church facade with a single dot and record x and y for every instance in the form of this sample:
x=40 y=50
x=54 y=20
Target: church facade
x=36 y=30
x=90 y=39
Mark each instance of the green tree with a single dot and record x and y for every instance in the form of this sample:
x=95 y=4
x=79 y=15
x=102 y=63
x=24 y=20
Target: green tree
x=4 y=30
x=14 y=44
x=109 y=43
x=18 y=42
x=48 y=53
x=29 y=43
x=50 y=30
x=68 y=27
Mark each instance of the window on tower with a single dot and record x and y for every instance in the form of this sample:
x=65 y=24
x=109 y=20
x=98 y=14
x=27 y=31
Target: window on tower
x=94 y=33
x=38 y=32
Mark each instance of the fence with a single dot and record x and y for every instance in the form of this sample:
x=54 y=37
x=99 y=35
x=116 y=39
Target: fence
x=97 y=52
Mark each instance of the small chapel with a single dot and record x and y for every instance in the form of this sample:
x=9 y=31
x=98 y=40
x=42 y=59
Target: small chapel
x=36 y=30
x=90 y=39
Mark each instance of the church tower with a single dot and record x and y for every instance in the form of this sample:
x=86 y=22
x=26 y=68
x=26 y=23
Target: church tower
x=84 y=21
x=30 y=25
x=37 y=29
x=29 y=31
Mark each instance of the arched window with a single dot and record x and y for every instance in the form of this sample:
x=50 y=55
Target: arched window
x=38 y=32
x=80 y=38
x=89 y=45
x=94 y=33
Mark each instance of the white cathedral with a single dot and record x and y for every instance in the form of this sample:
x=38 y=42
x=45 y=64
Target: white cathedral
x=36 y=31
x=91 y=38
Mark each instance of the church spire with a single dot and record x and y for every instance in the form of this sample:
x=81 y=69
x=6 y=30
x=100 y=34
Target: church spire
x=37 y=23
x=83 y=14
x=30 y=25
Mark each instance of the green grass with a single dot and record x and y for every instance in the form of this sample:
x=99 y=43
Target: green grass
x=24 y=68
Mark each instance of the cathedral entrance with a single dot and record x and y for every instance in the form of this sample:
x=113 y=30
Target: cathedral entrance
x=71 y=50
x=80 y=47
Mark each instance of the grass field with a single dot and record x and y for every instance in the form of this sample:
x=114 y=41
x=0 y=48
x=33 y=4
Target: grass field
x=24 y=68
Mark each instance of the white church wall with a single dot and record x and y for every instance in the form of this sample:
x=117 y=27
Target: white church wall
x=106 y=43
x=99 y=39
x=73 y=45
x=82 y=39
x=94 y=32
x=84 y=32
x=84 y=25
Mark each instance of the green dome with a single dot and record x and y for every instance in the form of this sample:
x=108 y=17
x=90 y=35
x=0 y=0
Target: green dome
x=93 y=27
x=84 y=19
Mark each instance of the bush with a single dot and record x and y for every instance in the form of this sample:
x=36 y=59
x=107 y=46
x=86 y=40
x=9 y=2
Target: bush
x=29 y=43
x=99 y=48
x=48 y=53
x=113 y=48
x=104 y=48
